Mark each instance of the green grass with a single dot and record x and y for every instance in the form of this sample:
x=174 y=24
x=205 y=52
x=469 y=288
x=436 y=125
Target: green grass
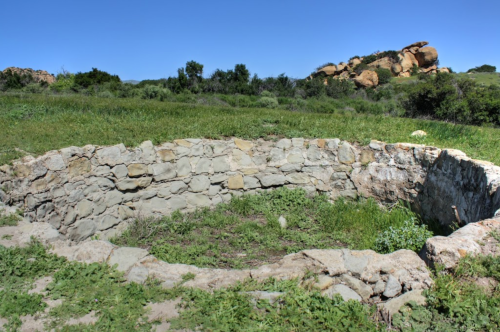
x=10 y=220
x=38 y=123
x=246 y=232
x=483 y=78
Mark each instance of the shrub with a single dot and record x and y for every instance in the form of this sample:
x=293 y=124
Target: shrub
x=266 y=93
x=369 y=59
x=105 y=94
x=338 y=88
x=384 y=75
x=64 y=82
x=415 y=70
x=94 y=77
x=360 y=68
x=483 y=69
x=154 y=92
x=268 y=102
x=410 y=236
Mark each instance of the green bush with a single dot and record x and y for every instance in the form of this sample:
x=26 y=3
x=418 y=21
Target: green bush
x=369 y=59
x=94 y=77
x=410 y=236
x=384 y=75
x=483 y=69
x=339 y=88
x=154 y=92
x=267 y=102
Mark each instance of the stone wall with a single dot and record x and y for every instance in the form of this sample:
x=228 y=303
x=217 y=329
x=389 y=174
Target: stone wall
x=91 y=190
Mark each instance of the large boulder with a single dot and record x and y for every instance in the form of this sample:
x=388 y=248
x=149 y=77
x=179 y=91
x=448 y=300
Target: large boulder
x=354 y=62
x=417 y=44
x=328 y=70
x=396 y=68
x=443 y=70
x=407 y=61
x=426 y=56
x=366 y=79
x=385 y=63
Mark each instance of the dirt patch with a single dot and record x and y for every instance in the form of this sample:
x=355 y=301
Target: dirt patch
x=40 y=285
x=88 y=319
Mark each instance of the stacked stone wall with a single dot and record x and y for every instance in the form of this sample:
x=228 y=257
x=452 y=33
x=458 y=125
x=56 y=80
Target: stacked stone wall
x=91 y=190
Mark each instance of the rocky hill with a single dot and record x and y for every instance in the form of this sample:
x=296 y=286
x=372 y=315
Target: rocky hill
x=415 y=57
x=36 y=75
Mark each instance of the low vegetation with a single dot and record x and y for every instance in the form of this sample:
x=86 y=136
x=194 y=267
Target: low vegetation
x=456 y=302
x=39 y=123
x=254 y=229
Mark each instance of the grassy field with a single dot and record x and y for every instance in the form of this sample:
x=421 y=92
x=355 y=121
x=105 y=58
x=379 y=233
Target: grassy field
x=38 y=123
x=483 y=78
x=246 y=232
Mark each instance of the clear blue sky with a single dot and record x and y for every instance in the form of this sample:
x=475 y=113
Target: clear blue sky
x=151 y=39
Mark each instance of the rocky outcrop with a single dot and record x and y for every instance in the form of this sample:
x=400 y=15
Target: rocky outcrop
x=37 y=75
x=417 y=54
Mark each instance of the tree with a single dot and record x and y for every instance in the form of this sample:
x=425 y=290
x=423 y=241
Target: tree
x=95 y=77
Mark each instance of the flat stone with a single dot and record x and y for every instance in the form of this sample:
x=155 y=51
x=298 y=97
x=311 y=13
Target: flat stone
x=136 y=170
x=131 y=184
x=243 y=145
x=55 y=163
x=218 y=178
x=184 y=143
x=178 y=187
x=79 y=167
x=242 y=159
x=272 y=180
x=198 y=200
x=107 y=221
x=324 y=282
x=235 y=182
x=377 y=145
x=148 y=152
x=220 y=164
x=298 y=142
x=177 y=203
x=199 y=183
x=197 y=150
x=183 y=167
x=291 y=168
x=367 y=156
x=295 y=157
x=138 y=274
x=358 y=286
x=44 y=232
x=93 y=252
x=345 y=292
x=120 y=171
x=298 y=178
x=392 y=287
x=250 y=182
x=346 y=154
x=393 y=305
x=164 y=171
x=284 y=143
x=313 y=153
x=125 y=257
x=101 y=170
x=277 y=155
x=81 y=230
x=166 y=155
x=203 y=166
x=105 y=184
x=84 y=208
x=113 y=197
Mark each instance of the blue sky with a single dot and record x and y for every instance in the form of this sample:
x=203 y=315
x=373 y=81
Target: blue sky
x=151 y=39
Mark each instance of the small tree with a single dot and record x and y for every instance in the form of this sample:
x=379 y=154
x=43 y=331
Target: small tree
x=483 y=69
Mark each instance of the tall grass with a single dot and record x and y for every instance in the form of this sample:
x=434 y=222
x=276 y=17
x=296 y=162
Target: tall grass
x=39 y=123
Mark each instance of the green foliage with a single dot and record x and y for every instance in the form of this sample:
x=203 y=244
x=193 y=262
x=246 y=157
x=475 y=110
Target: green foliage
x=455 y=302
x=369 y=59
x=268 y=102
x=358 y=69
x=94 y=77
x=20 y=304
x=415 y=70
x=155 y=92
x=64 y=82
x=409 y=236
x=296 y=310
x=483 y=69
x=10 y=220
x=384 y=75
x=448 y=97
x=10 y=80
x=337 y=88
